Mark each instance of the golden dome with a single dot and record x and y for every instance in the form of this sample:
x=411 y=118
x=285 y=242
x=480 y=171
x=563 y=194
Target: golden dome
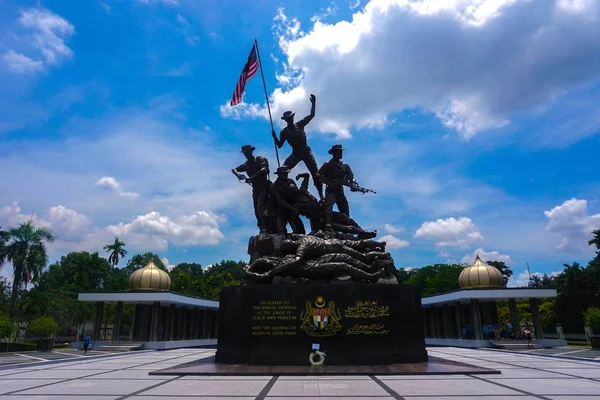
x=480 y=275
x=149 y=278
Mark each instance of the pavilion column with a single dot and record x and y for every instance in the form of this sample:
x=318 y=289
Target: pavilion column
x=98 y=321
x=457 y=313
x=446 y=321
x=196 y=322
x=133 y=324
x=432 y=321
x=514 y=317
x=535 y=315
x=117 y=324
x=154 y=321
x=185 y=315
x=476 y=319
x=216 y=324
x=425 y=323
x=171 y=321
x=205 y=324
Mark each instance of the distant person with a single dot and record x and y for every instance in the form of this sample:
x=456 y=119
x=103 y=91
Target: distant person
x=527 y=334
x=486 y=331
x=509 y=330
x=496 y=330
x=87 y=340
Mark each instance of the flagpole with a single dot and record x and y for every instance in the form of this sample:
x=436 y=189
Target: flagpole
x=267 y=99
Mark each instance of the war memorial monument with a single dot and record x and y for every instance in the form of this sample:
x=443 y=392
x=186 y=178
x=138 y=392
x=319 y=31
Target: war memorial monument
x=322 y=294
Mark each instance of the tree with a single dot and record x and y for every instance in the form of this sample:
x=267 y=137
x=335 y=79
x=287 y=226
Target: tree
x=43 y=327
x=4 y=296
x=503 y=268
x=437 y=278
x=188 y=278
x=26 y=250
x=596 y=239
x=116 y=253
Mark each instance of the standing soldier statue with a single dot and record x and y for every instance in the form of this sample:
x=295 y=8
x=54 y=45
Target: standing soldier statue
x=285 y=194
x=336 y=174
x=257 y=169
x=296 y=137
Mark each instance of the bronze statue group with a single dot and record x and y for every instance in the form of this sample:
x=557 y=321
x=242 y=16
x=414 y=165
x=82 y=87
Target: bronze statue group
x=336 y=247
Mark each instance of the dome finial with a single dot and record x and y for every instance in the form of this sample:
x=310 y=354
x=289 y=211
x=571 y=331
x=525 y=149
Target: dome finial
x=149 y=278
x=480 y=275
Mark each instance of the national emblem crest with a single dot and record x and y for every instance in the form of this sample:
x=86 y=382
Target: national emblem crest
x=323 y=320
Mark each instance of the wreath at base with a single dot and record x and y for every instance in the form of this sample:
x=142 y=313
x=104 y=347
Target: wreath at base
x=316 y=358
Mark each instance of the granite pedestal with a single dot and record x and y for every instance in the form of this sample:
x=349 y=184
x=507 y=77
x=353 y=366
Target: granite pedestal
x=366 y=324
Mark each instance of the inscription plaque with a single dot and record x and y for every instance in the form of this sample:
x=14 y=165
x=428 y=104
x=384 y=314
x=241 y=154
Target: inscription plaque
x=353 y=324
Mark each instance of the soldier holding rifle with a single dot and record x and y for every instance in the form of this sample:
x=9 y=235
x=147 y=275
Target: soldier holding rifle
x=336 y=174
x=257 y=169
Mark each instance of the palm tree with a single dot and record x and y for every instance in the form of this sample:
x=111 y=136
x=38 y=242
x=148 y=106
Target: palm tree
x=596 y=240
x=25 y=249
x=3 y=239
x=116 y=253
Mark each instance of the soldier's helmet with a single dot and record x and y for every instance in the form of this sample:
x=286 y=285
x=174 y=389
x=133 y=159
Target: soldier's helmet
x=282 y=170
x=335 y=147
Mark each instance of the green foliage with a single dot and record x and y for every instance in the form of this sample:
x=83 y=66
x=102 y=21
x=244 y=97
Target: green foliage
x=25 y=249
x=43 y=327
x=503 y=268
x=7 y=327
x=592 y=319
x=4 y=296
x=548 y=315
x=434 y=279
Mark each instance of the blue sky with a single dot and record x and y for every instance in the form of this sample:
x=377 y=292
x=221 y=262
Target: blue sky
x=475 y=121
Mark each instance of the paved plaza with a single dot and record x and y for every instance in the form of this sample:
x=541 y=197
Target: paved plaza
x=125 y=376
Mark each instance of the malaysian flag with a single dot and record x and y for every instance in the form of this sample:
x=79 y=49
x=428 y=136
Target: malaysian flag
x=248 y=72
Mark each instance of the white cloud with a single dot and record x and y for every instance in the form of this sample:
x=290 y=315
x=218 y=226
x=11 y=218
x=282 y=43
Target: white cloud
x=389 y=228
x=522 y=279
x=572 y=222
x=393 y=242
x=473 y=63
x=20 y=63
x=450 y=231
x=354 y=4
x=66 y=224
x=169 y=266
x=150 y=232
x=44 y=34
x=111 y=183
x=486 y=256
x=154 y=231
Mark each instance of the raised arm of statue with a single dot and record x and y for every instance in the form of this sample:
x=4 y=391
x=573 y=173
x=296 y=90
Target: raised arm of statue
x=305 y=179
x=304 y=121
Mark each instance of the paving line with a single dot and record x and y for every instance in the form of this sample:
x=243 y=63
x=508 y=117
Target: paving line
x=32 y=357
x=85 y=377
x=537 y=396
x=265 y=391
x=385 y=387
x=69 y=354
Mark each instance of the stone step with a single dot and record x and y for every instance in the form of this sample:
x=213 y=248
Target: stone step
x=513 y=344
x=116 y=347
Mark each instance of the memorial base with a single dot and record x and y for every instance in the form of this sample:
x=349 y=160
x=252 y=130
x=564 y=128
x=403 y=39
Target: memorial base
x=366 y=324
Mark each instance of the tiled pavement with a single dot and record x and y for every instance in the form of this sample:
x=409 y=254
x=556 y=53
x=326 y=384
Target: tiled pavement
x=524 y=376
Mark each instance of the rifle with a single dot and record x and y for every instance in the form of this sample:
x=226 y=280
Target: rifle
x=242 y=178
x=354 y=187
